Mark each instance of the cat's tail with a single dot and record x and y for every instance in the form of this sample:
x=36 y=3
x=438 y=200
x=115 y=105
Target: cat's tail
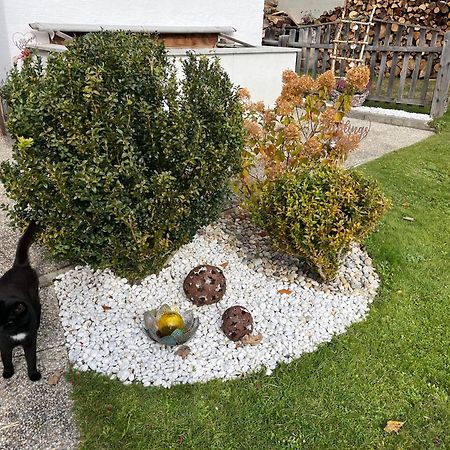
x=22 y=259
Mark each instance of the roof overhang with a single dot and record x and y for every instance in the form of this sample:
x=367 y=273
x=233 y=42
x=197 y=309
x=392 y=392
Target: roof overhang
x=86 y=28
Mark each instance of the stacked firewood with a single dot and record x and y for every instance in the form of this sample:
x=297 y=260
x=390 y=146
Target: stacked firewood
x=274 y=20
x=433 y=15
x=430 y=14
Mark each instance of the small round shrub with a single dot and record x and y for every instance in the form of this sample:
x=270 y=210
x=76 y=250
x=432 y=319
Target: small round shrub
x=317 y=211
x=119 y=160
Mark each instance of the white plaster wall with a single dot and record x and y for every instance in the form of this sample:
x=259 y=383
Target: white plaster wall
x=257 y=69
x=244 y=15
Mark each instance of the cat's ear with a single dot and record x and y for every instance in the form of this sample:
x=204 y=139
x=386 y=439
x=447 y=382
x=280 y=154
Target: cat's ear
x=19 y=309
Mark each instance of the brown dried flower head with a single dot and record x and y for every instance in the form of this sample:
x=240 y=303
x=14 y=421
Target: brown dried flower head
x=244 y=93
x=295 y=87
x=327 y=80
x=269 y=116
x=306 y=84
x=289 y=76
x=291 y=132
x=345 y=144
x=284 y=107
x=257 y=106
x=358 y=77
x=287 y=94
x=254 y=129
x=328 y=117
x=313 y=147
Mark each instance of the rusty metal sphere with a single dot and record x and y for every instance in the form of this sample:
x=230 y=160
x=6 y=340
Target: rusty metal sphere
x=237 y=322
x=205 y=285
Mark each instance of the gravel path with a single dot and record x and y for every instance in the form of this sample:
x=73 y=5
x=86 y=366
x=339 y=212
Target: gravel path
x=36 y=415
x=383 y=139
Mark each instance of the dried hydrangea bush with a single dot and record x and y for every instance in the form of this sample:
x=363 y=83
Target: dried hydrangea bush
x=302 y=127
x=292 y=141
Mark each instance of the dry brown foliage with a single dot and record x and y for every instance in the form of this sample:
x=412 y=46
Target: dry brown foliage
x=304 y=126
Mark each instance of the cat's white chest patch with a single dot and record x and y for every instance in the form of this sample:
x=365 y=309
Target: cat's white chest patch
x=19 y=337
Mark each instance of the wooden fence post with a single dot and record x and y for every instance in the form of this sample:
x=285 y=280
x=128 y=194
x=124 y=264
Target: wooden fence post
x=283 y=40
x=440 y=95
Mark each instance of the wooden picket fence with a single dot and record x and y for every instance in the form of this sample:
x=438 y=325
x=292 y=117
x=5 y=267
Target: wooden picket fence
x=409 y=64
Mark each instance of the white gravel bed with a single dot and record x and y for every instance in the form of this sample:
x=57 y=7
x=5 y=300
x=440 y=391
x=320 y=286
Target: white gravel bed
x=393 y=112
x=112 y=341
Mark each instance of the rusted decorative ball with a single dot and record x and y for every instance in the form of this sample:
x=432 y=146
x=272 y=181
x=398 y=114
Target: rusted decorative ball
x=205 y=285
x=237 y=322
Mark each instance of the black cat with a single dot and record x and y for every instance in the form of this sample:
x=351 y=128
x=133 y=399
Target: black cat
x=20 y=308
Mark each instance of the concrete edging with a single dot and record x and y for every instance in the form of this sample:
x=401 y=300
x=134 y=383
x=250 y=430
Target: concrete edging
x=47 y=279
x=402 y=121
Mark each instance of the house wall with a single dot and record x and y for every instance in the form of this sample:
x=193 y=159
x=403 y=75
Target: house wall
x=299 y=8
x=15 y=15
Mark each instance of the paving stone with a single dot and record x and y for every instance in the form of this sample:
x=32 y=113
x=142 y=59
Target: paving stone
x=383 y=138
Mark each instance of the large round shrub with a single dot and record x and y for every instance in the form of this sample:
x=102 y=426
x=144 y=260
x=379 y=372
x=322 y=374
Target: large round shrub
x=317 y=211
x=116 y=158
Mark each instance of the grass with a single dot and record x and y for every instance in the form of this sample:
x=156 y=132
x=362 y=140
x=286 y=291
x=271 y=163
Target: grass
x=395 y=365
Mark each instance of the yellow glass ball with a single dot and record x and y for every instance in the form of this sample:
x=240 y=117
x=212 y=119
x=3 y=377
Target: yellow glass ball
x=169 y=322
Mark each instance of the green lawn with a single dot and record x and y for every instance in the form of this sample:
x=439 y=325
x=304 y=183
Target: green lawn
x=394 y=365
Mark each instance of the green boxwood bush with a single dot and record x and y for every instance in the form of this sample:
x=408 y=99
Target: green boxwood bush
x=116 y=158
x=317 y=211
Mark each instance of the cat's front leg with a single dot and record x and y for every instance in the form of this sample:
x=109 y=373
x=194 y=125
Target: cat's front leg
x=8 y=368
x=30 y=356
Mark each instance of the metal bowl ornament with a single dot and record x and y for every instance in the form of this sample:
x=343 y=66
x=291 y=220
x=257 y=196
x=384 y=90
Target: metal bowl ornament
x=237 y=322
x=205 y=285
x=169 y=326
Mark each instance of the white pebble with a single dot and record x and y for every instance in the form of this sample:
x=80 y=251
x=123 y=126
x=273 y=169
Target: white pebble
x=112 y=341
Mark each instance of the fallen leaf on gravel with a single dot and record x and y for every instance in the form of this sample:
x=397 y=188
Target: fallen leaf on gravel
x=285 y=291
x=183 y=351
x=393 y=426
x=224 y=265
x=250 y=339
x=409 y=219
x=9 y=425
x=106 y=308
x=54 y=378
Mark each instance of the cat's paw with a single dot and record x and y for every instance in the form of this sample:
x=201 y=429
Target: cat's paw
x=35 y=376
x=8 y=373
